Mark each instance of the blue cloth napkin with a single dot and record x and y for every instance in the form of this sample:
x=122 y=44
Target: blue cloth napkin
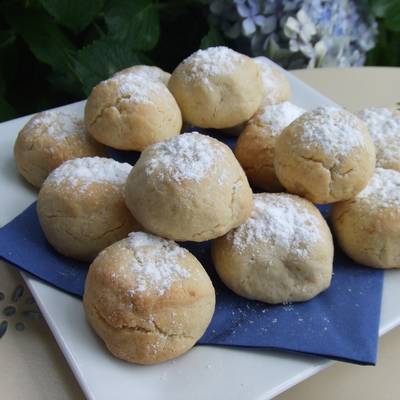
x=341 y=323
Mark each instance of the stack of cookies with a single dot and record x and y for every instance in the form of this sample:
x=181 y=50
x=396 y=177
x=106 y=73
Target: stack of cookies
x=149 y=299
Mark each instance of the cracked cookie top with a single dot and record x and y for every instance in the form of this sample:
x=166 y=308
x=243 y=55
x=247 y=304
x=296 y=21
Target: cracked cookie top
x=186 y=157
x=132 y=110
x=212 y=62
x=190 y=187
x=276 y=86
x=278 y=116
x=326 y=155
x=217 y=88
x=282 y=253
x=148 y=72
x=384 y=127
x=383 y=190
x=136 y=86
x=331 y=130
x=278 y=220
x=155 y=263
x=82 y=172
x=57 y=124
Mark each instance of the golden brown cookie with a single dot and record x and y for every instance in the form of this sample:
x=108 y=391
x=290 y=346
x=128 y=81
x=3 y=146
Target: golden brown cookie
x=217 y=88
x=49 y=139
x=81 y=206
x=148 y=299
x=190 y=187
x=147 y=71
x=275 y=84
x=255 y=147
x=326 y=155
x=384 y=127
x=368 y=226
x=282 y=253
x=130 y=112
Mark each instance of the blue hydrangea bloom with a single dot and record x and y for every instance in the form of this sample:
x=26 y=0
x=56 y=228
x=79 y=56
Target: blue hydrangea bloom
x=298 y=33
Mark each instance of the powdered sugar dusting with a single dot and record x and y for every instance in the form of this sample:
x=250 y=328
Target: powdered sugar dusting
x=146 y=72
x=156 y=263
x=212 y=62
x=384 y=127
x=189 y=156
x=137 y=87
x=383 y=190
x=269 y=79
x=279 y=116
x=279 y=221
x=82 y=172
x=332 y=130
x=57 y=124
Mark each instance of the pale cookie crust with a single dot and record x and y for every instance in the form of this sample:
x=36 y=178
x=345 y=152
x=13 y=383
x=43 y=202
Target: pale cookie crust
x=368 y=226
x=81 y=206
x=255 y=147
x=130 y=112
x=149 y=72
x=384 y=127
x=148 y=299
x=282 y=253
x=326 y=155
x=275 y=85
x=189 y=188
x=47 y=140
x=217 y=88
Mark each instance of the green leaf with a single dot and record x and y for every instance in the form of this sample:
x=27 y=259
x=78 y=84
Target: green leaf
x=44 y=38
x=6 y=111
x=136 y=22
x=380 y=7
x=392 y=17
x=74 y=14
x=213 y=38
x=7 y=38
x=103 y=58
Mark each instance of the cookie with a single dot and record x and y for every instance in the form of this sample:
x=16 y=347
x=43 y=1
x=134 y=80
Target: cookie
x=384 y=127
x=81 y=206
x=130 y=112
x=255 y=147
x=49 y=139
x=217 y=88
x=368 y=226
x=282 y=253
x=148 y=299
x=326 y=155
x=190 y=187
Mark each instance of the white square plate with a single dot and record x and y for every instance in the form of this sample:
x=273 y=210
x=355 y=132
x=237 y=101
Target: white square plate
x=205 y=372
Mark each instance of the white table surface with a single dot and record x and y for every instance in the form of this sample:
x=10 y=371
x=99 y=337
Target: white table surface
x=33 y=367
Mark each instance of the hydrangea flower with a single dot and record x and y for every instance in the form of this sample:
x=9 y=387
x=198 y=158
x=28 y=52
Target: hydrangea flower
x=298 y=33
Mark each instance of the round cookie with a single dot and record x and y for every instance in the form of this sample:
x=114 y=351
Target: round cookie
x=326 y=155
x=217 y=88
x=282 y=253
x=384 y=127
x=47 y=140
x=130 y=112
x=255 y=147
x=368 y=226
x=148 y=299
x=81 y=206
x=275 y=85
x=147 y=71
x=190 y=187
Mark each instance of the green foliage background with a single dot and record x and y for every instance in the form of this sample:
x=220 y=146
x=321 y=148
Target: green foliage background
x=53 y=52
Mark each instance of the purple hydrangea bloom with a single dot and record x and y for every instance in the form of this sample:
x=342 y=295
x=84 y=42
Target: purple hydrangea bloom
x=298 y=33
